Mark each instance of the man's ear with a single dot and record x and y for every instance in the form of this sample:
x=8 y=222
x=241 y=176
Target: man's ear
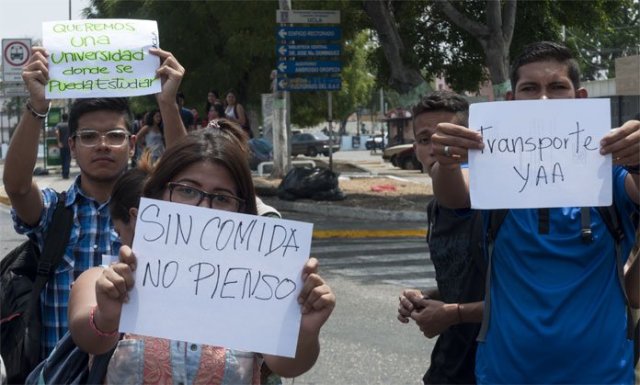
x=509 y=95
x=133 y=212
x=72 y=146
x=132 y=145
x=581 y=93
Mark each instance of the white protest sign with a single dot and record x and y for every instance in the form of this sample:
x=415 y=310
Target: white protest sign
x=101 y=58
x=217 y=278
x=540 y=153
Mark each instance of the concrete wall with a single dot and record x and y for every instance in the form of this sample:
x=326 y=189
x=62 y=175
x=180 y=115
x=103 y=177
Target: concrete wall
x=628 y=75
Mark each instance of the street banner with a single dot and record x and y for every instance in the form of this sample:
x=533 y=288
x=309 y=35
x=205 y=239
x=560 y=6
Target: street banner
x=540 y=153
x=229 y=279
x=101 y=58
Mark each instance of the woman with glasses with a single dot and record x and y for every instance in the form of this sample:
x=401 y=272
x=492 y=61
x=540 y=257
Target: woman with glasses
x=207 y=168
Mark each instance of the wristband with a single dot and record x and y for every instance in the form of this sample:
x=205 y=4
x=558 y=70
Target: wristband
x=94 y=327
x=459 y=314
x=633 y=169
x=36 y=114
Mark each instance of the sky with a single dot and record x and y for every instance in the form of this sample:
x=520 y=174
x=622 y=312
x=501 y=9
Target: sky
x=23 y=18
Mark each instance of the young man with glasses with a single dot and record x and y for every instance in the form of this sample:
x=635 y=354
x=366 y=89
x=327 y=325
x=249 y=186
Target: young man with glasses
x=102 y=144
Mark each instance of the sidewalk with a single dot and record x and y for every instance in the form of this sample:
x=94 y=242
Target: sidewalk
x=330 y=220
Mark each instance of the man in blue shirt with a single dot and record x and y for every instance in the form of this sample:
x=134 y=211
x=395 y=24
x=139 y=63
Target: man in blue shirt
x=557 y=309
x=101 y=141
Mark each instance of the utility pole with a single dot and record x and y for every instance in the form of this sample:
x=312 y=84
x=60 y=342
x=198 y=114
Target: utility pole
x=281 y=158
x=330 y=118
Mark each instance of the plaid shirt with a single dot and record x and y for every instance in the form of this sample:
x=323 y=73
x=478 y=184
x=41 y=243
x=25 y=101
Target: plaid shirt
x=92 y=235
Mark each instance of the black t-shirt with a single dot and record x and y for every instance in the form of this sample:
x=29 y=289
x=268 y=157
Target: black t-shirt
x=63 y=132
x=460 y=278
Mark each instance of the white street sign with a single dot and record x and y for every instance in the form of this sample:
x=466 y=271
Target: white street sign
x=297 y=16
x=14 y=89
x=15 y=54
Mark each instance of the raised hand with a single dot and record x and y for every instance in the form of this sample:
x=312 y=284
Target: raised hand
x=36 y=75
x=316 y=298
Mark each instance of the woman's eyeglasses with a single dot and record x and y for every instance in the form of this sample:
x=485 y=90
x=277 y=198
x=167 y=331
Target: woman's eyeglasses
x=183 y=193
x=113 y=138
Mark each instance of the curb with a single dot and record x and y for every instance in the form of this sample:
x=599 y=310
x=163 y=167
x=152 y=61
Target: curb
x=352 y=212
x=410 y=233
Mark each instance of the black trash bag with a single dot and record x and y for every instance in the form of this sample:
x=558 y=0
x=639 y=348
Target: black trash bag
x=314 y=183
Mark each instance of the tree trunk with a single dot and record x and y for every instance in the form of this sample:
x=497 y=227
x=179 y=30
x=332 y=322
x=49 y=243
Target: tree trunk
x=403 y=78
x=495 y=38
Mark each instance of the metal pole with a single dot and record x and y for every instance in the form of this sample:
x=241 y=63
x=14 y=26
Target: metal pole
x=281 y=159
x=330 y=116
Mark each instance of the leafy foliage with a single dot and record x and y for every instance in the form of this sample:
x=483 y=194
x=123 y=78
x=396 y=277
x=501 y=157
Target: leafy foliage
x=228 y=45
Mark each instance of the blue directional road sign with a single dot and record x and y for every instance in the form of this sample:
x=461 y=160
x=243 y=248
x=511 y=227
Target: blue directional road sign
x=309 y=84
x=308 y=33
x=309 y=67
x=308 y=50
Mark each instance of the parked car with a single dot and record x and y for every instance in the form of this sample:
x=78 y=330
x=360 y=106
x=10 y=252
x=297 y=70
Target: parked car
x=375 y=142
x=402 y=156
x=311 y=144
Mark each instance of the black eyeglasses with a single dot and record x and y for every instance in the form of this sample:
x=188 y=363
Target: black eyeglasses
x=183 y=193
x=113 y=138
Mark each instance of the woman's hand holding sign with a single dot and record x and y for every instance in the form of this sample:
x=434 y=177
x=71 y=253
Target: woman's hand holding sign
x=316 y=298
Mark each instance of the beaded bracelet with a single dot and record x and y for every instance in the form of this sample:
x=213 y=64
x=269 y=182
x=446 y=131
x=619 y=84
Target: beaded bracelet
x=35 y=113
x=94 y=327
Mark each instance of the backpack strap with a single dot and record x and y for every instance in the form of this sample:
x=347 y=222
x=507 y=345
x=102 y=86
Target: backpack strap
x=611 y=219
x=496 y=218
x=54 y=246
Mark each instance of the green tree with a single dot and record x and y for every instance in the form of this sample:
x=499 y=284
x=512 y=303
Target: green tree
x=459 y=39
x=599 y=45
x=231 y=45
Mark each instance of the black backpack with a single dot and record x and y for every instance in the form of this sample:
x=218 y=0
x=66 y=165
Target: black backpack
x=611 y=219
x=23 y=275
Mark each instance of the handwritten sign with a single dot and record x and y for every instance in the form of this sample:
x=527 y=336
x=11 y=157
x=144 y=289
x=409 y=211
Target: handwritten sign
x=540 y=153
x=217 y=278
x=101 y=58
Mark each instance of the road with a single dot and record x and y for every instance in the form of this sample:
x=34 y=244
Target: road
x=363 y=342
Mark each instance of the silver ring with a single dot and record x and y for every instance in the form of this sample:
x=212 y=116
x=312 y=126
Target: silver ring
x=446 y=151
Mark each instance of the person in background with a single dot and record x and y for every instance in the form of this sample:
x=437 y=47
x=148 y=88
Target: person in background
x=235 y=112
x=549 y=290
x=196 y=118
x=151 y=135
x=213 y=97
x=185 y=113
x=62 y=134
x=217 y=111
x=202 y=169
x=453 y=310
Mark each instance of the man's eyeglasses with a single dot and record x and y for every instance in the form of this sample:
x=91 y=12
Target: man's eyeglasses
x=113 y=138
x=182 y=193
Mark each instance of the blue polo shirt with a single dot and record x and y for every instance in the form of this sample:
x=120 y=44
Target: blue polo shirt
x=557 y=309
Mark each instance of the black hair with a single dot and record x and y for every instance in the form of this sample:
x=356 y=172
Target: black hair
x=126 y=193
x=443 y=101
x=219 y=108
x=545 y=51
x=84 y=106
x=148 y=119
